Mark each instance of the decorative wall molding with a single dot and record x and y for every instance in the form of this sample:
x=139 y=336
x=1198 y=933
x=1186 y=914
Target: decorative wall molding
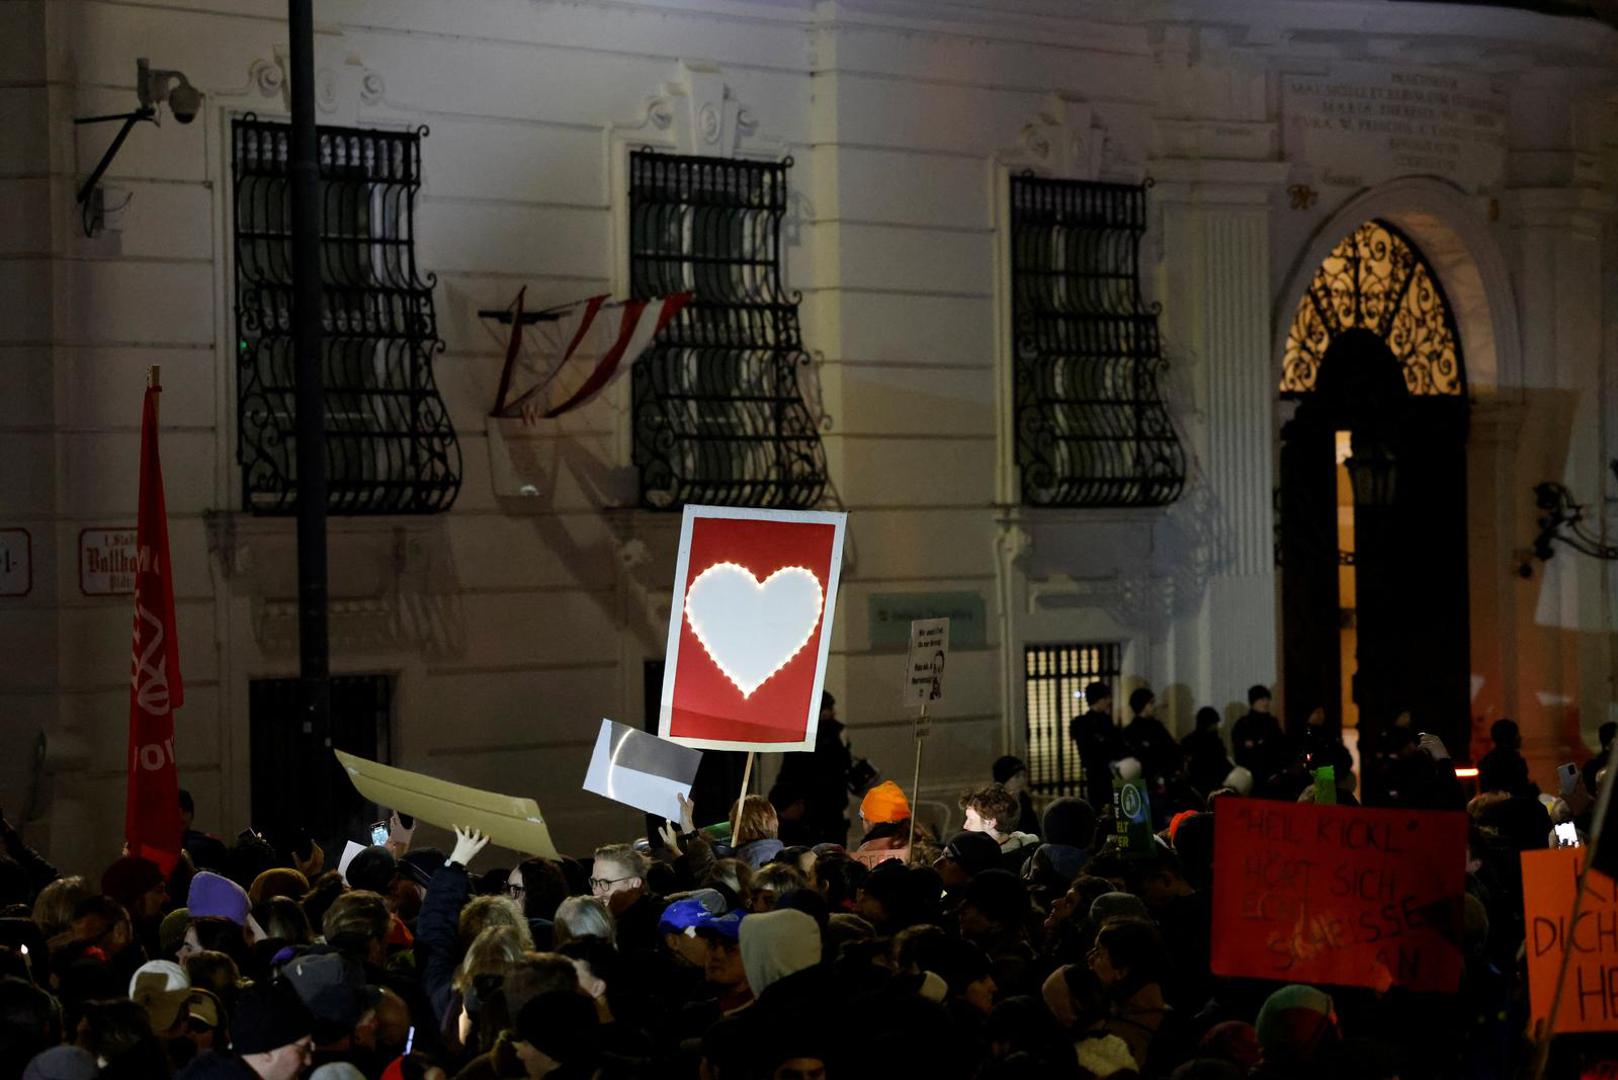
x=697 y=112
x=1063 y=139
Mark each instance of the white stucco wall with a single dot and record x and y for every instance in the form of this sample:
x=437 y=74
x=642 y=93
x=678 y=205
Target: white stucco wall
x=514 y=625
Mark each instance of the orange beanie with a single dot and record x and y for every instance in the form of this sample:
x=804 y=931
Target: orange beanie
x=885 y=803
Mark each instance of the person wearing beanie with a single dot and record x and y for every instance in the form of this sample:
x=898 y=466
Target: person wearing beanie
x=1069 y=826
x=967 y=855
x=372 y=870
x=1296 y=1026
x=280 y=881
x=885 y=820
x=1011 y=773
x=213 y=895
x=776 y=944
x=1099 y=742
x=272 y=1038
x=1256 y=741
x=558 y=1036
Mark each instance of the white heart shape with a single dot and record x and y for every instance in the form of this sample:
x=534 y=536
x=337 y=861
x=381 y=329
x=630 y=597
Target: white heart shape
x=749 y=628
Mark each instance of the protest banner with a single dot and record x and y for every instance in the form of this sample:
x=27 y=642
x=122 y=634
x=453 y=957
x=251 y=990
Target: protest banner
x=924 y=669
x=1339 y=895
x=750 y=627
x=641 y=770
x=507 y=820
x=1550 y=881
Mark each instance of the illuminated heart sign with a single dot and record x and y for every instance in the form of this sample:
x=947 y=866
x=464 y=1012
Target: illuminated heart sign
x=754 y=599
x=751 y=628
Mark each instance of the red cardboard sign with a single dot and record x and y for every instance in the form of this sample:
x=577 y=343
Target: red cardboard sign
x=750 y=627
x=1550 y=878
x=1339 y=895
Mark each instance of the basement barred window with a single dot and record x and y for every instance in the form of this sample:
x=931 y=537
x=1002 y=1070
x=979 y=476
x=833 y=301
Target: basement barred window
x=1054 y=678
x=390 y=447
x=1091 y=426
x=719 y=416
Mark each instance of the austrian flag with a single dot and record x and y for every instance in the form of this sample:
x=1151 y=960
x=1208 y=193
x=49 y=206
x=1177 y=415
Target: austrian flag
x=152 y=823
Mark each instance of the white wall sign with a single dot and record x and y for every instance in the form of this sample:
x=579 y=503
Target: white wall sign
x=107 y=561
x=16 y=562
x=924 y=669
x=1364 y=123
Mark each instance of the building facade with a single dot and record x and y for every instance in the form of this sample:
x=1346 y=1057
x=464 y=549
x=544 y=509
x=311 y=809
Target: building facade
x=1190 y=344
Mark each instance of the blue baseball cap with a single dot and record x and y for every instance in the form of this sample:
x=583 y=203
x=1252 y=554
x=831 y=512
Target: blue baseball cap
x=683 y=916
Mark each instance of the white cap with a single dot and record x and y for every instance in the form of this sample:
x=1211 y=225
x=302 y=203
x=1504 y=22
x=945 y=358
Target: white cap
x=173 y=974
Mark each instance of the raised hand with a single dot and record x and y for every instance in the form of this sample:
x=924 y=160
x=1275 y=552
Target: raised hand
x=468 y=842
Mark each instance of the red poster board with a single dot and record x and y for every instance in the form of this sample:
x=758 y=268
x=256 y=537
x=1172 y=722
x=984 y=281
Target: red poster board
x=750 y=627
x=1338 y=895
x=1550 y=878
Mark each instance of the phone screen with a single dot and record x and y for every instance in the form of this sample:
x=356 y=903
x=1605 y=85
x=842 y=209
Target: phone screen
x=410 y=1040
x=379 y=834
x=1567 y=835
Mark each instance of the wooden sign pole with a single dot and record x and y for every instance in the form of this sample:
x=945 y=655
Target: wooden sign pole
x=736 y=818
x=915 y=784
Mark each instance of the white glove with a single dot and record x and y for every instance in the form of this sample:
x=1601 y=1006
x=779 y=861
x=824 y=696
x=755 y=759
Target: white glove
x=468 y=842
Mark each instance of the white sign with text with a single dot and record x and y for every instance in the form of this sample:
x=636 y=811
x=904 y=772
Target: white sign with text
x=924 y=669
x=107 y=561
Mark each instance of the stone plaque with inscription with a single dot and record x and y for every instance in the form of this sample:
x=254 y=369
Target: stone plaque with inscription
x=1365 y=123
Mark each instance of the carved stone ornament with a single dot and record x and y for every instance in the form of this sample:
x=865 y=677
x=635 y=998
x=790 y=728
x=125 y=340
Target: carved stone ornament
x=1064 y=139
x=697 y=113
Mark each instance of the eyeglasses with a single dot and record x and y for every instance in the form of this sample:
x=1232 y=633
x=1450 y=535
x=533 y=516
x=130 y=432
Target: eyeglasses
x=515 y=890
x=597 y=884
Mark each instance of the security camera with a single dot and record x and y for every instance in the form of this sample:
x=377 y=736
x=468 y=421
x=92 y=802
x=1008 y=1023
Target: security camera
x=156 y=86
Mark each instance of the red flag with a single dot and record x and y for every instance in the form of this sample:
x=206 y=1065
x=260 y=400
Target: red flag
x=152 y=810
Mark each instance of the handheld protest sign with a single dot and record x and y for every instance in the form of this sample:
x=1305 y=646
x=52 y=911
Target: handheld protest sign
x=1550 y=882
x=750 y=627
x=1339 y=895
x=924 y=668
x=1132 y=808
x=640 y=770
x=507 y=820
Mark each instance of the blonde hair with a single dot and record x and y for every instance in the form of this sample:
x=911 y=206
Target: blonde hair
x=582 y=917
x=492 y=952
x=757 y=820
x=490 y=911
x=53 y=908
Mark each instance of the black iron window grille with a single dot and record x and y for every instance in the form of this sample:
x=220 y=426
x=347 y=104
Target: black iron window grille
x=719 y=416
x=1375 y=279
x=390 y=447
x=1054 y=678
x=1091 y=426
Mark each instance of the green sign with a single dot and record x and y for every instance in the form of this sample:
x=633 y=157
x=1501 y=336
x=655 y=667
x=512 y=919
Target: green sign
x=890 y=616
x=1133 y=810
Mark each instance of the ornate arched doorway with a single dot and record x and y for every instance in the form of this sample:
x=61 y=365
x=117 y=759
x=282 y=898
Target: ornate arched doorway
x=1373 y=495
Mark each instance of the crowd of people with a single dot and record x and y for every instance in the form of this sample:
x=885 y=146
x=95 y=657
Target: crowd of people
x=1029 y=944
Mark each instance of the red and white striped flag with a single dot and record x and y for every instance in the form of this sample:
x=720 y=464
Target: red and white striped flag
x=152 y=824
x=580 y=348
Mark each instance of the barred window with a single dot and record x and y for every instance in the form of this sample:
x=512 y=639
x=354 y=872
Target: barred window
x=1054 y=678
x=1091 y=426
x=390 y=446
x=719 y=417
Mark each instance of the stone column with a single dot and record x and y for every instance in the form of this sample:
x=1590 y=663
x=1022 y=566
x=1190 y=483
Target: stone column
x=1217 y=323
x=1563 y=618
